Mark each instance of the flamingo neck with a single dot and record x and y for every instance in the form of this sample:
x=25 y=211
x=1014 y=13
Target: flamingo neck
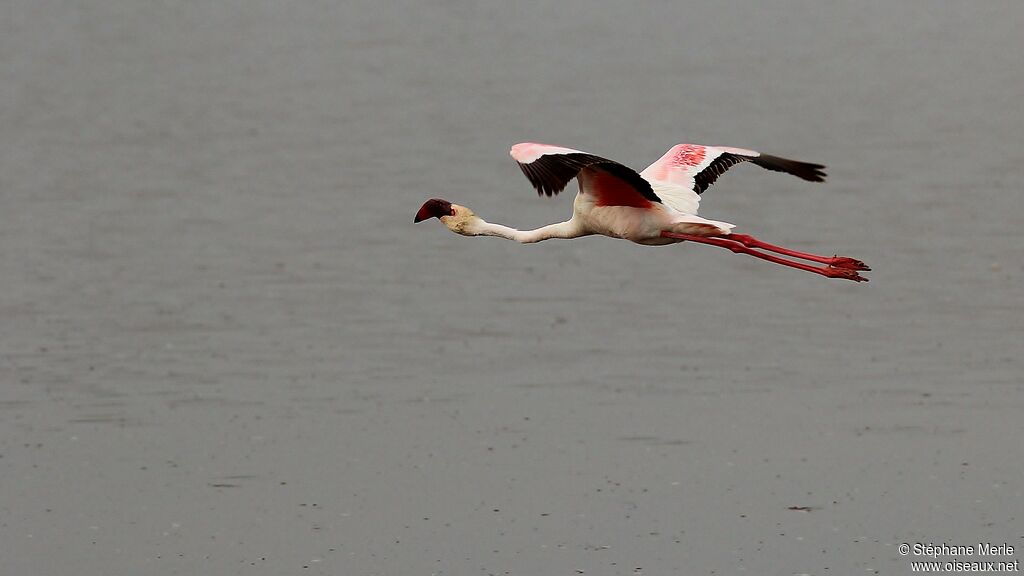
x=567 y=229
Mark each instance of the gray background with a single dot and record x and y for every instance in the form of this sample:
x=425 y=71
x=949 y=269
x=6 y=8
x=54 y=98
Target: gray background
x=226 y=349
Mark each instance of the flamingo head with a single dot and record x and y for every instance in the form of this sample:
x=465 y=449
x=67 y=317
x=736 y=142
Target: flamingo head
x=457 y=218
x=434 y=208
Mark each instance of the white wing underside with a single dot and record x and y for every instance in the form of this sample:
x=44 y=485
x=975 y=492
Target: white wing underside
x=680 y=198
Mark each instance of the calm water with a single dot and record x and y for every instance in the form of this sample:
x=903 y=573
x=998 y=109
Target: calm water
x=225 y=348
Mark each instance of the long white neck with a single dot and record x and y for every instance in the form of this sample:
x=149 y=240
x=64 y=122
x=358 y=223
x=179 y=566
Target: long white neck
x=567 y=229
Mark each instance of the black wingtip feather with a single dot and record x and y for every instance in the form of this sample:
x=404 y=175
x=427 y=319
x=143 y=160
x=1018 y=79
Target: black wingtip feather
x=805 y=170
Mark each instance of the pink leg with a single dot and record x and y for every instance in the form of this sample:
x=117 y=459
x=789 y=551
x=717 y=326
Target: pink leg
x=738 y=247
x=835 y=261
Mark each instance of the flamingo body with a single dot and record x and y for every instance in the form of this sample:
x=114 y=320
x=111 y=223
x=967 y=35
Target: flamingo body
x=655 y=207
x=613 y=200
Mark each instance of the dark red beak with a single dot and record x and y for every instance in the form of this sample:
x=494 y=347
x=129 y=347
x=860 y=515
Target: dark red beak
x=434 y=208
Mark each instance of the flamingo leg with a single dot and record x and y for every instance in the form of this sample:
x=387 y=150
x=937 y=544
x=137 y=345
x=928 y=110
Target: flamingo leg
x=834 y=261
x=740 y=248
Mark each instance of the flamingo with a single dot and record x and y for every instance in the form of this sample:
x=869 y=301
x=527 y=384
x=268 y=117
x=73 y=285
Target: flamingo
x=655 y=207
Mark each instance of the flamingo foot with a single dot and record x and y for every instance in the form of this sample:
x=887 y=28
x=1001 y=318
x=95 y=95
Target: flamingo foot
x=848 y=264
x=844 y=273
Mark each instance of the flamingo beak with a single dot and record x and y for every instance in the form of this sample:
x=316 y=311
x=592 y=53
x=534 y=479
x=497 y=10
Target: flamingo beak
x=434 y=208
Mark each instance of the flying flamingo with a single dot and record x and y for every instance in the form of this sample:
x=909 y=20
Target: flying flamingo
x=655 y=207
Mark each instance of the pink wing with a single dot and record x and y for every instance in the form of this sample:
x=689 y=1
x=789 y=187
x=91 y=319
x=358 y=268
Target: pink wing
x=527 y=152
x=551 y=168
x=687 y=170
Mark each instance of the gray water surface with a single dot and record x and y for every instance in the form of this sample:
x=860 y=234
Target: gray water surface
x=226 y=349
